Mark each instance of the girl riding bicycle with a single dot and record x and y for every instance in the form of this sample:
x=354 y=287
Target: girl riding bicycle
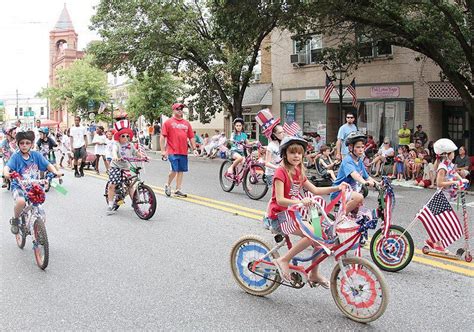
x=289 y=180
x=238 y=138
x=274 y=132
x=8 y=147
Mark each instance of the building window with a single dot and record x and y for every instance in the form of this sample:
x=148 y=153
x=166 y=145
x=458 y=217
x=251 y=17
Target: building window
x=16 y=111
x=250 y=125
x=368 y=48
x=310 y=50
x=384 y=118
x=21 y=111
x=42 y=110
x=311 y=117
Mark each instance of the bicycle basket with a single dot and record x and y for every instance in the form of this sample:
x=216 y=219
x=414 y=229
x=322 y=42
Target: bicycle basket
x=346 y=229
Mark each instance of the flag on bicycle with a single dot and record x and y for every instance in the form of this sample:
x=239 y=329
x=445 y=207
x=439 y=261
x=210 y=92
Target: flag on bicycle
x=348 y=245
x=440 y=220
x=292 y=129
x=303 y=210
x=286 y=219
x=328 y=90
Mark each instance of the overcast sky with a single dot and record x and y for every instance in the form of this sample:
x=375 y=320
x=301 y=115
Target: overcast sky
x=24 y=40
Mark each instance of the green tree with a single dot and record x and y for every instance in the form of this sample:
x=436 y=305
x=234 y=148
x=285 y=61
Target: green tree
x=440 y=30
x=152 y=95
x=78 y=87
x=213 y=44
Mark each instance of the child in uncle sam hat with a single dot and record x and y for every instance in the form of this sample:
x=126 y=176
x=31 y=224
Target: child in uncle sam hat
x=122 y=149
x=272 y=129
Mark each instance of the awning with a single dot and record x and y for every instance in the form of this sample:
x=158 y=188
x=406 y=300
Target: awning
x=258 y=95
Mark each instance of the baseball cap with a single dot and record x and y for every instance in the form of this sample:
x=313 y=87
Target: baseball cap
x=177 y=105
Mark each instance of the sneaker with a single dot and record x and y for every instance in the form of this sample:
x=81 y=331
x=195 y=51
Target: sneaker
x=110 y=210
x=77 y=175
x=179 y=193
x=167 y=190
x=14 y=222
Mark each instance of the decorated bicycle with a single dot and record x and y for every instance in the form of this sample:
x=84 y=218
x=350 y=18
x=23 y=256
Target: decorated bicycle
x=142 y=196
x=251 y=173
x=357 y=286
x=33 y=217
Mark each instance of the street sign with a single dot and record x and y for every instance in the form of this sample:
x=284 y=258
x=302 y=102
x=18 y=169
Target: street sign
x=29 y=113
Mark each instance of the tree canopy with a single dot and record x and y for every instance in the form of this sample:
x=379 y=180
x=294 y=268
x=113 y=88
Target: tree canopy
x=212 y=44
x=441 y=30
x=78 y=87
x=152 y=95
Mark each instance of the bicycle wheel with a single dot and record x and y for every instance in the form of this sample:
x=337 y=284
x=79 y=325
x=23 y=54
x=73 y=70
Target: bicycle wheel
x=244 y=253
x=21 y=236
x=226 y=184
x=144 y=202
x=255 y=185
x=40 y=244
x=106 y=195
x=360 y=292
x=393 y=253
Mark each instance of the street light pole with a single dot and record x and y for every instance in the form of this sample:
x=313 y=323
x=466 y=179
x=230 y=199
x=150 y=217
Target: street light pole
x=17 y=109
x=340 y=74
x=340 y=96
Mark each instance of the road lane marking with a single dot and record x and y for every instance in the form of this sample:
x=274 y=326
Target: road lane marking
x=419 y=257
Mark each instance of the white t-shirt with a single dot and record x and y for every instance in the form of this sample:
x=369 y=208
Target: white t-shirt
x=101 y=147
x=78 y=133
x=274 y=149
x=386 y=152
x=108 y=148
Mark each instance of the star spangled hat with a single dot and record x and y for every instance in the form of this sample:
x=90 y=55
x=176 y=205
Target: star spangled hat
x=266 y=120
x=122 y=127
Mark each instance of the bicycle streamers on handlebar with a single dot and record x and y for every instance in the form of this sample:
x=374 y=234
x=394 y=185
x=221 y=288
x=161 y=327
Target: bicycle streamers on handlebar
x=364 y=225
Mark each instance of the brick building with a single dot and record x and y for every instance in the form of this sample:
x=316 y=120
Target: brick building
x=62 y=53
x=391 y=89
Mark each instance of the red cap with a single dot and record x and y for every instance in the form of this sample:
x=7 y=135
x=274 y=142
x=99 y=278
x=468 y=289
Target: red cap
x=178 y=105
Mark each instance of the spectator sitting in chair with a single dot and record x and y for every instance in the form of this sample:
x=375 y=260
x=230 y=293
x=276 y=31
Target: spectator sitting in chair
x=380 y=158
x=463 y=163
x=370 y=146
x=327 y=165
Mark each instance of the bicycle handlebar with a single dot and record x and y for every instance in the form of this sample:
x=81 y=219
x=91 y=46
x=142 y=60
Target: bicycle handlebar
x=135 y=159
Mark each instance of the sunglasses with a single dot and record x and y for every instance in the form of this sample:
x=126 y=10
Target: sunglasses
x=349 y=117
x=124 y=136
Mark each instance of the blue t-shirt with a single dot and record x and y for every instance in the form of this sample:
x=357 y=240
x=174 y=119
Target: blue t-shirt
x=345 y=130
x=241 y=138
x=348 y=166
x=27 y=168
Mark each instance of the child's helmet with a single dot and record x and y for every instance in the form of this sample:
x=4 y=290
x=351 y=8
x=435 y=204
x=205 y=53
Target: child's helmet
x=444 y=145
x=238 y=120
x=28 y=135
x=356 y=136
x=9 y=130
x=44 y=130
x=289 y=140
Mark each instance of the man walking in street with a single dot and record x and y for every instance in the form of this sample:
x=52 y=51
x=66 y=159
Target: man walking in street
x=78 y=136
x=404 y=135
x=36 y=130
x=174 y=138
x=347 y=128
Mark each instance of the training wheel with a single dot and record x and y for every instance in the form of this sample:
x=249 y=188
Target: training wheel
x=426 y=250
x=468 y=257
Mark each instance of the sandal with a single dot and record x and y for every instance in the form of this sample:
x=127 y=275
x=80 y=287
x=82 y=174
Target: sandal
x=324 y=283
x=280 y=271
x=229 y=176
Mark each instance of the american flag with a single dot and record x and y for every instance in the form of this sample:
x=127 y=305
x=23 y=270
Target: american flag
x=328 y=90
x=141 y=151
x=287 y=222
x=352 y=90
x=440 y=220
x=291 y=129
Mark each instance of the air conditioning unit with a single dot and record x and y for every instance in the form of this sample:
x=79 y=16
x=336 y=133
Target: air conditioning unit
x=298 y=59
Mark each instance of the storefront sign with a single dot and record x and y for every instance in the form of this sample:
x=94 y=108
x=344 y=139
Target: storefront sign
x=385 y=91
x=290 y=112
x=312 y=94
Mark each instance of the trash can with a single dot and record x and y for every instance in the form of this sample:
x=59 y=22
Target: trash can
x=155 y=142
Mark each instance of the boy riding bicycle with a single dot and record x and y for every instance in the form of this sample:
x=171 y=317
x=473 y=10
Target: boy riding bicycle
x=121 y=149
x=27 y=164
x=352 y=170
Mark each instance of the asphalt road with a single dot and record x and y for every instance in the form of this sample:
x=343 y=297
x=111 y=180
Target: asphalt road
x=172 y=272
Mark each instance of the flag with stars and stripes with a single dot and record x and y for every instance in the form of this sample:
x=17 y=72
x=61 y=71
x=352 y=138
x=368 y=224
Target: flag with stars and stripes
x=291 y=129
x=352 y=90
x=440 y=220
x=327 y=90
